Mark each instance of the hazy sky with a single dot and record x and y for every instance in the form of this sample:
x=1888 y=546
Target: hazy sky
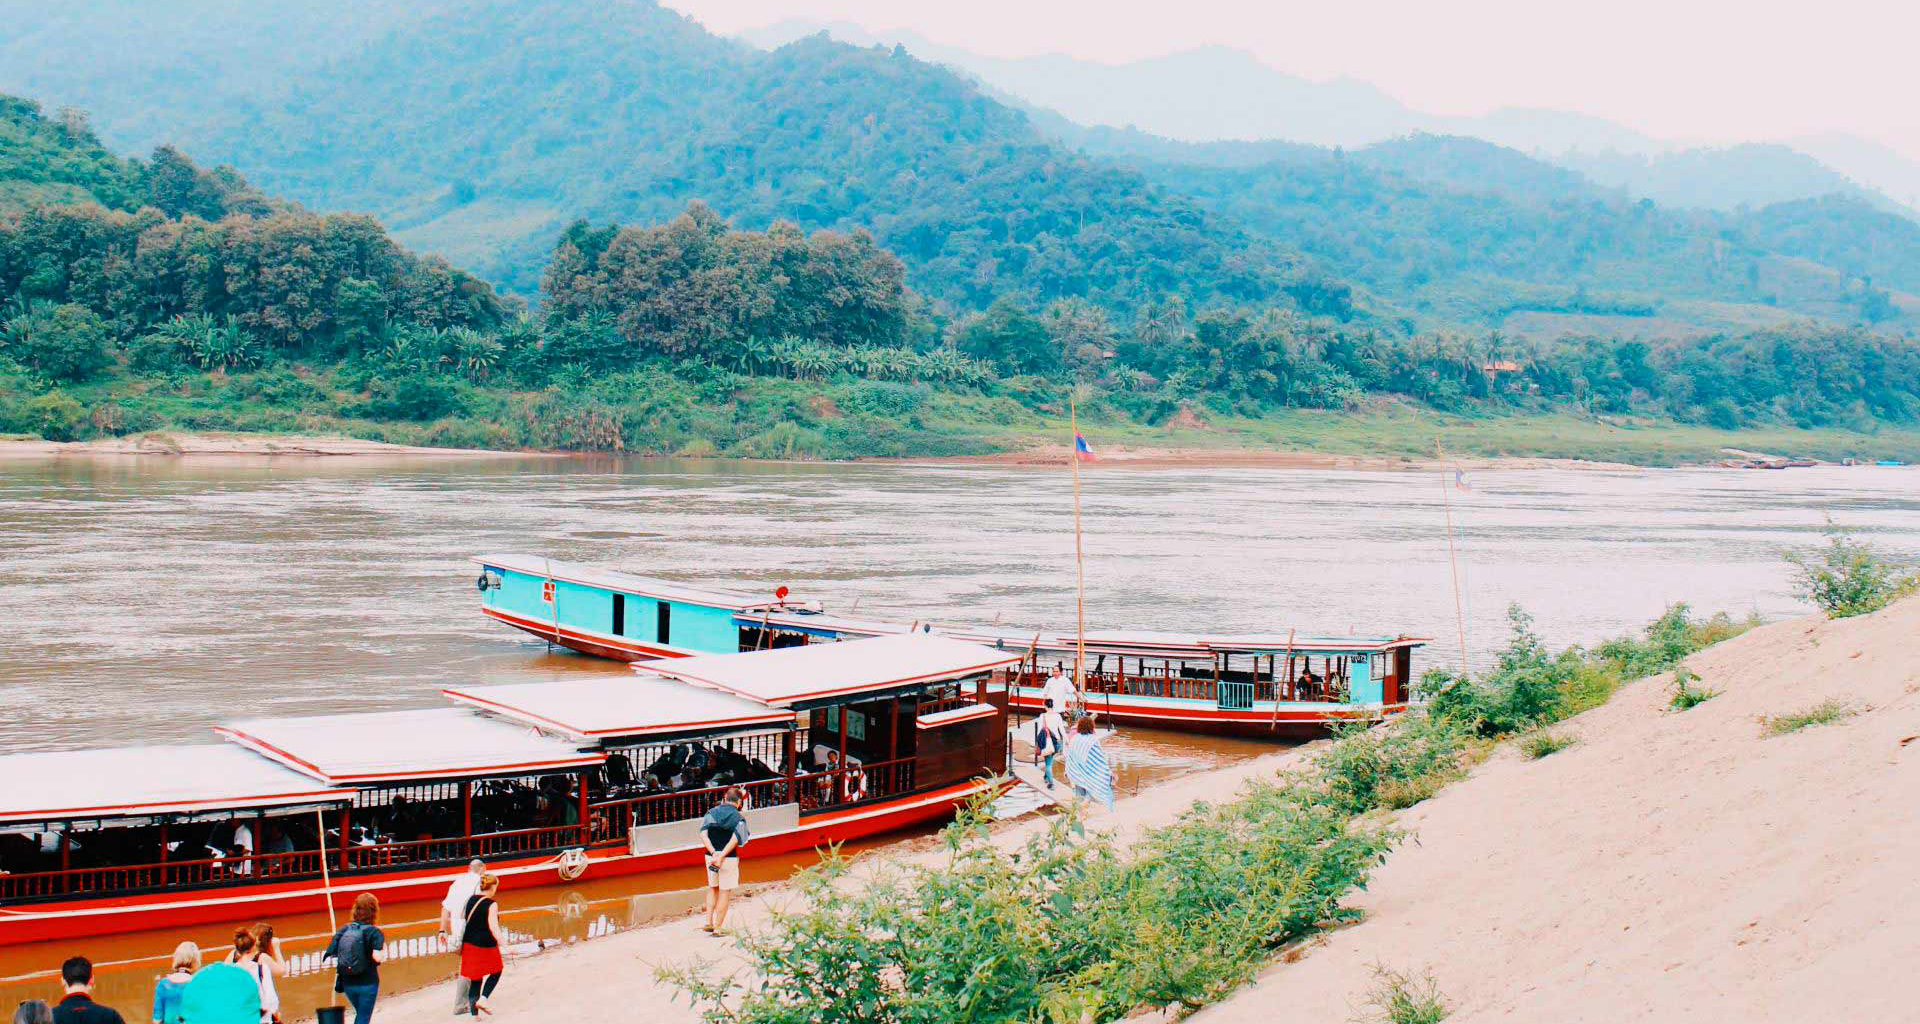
x=1706 y=70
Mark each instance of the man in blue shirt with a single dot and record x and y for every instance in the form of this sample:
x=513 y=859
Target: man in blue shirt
x=723 y=832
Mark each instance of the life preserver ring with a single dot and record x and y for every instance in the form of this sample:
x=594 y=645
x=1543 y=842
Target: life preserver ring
x=573 y=864
x=855 y=784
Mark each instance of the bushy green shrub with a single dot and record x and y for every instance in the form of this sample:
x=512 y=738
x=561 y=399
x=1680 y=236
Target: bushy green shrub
x=55 y=416
x=1398 y=997
x=66 y=343
x=1826 y=712
x=1543 y=743
x=418 y=398
x=1845 y=577
x=883 y=398
x=1685 y=694
x=1394 y=766
x=1528 y=687
x=1064 y=928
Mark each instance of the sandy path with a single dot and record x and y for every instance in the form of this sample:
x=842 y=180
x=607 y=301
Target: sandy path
x=1668 y=867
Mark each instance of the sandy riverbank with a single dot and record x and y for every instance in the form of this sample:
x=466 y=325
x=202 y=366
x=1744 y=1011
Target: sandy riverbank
x=1054 y=456
x=1668 y=866
x=234 y=446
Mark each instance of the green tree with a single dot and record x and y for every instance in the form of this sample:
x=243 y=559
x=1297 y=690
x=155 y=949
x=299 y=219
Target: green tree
x=67 y=342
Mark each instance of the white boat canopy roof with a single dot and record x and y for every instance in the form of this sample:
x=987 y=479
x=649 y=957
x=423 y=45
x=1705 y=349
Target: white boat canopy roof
x=148 y=782
x=630 y=583
x=1050 y=646
x=397 y=746
x=591 y=710
x=825 y=673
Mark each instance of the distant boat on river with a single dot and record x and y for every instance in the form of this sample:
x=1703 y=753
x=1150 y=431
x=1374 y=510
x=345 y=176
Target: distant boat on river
x=1273 y=685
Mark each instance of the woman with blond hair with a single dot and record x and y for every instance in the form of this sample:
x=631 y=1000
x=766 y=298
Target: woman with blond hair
x=480 y=944
x=166 y=990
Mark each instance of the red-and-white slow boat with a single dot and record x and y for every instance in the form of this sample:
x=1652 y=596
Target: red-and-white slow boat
x=543 y=781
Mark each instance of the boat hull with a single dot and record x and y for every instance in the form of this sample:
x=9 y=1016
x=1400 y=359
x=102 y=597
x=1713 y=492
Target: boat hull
x=1292 y=720
x=599 y=645
x=108 y=915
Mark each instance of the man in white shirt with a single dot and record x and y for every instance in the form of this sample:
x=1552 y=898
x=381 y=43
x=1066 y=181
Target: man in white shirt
x=453 y=920
x=1059 y=690
x=453 y=909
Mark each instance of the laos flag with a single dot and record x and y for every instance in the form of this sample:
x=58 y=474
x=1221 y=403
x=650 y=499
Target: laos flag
x=1081 y=449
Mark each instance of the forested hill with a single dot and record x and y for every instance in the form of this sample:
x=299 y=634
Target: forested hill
x=480 y=132
x=478 y=129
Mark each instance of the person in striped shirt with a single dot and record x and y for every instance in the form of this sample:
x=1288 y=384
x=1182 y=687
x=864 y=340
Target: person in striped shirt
x=1087 y=766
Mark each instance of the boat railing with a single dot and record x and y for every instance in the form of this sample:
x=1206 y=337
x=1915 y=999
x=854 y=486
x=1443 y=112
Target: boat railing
x=1191 y=687
x=158 y=875
x=270 y=866
x=612 y=820
x=459 y=848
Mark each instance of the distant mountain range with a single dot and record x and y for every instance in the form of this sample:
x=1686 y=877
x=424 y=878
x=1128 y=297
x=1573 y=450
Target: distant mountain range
x=1221 y=93
x=479 y=129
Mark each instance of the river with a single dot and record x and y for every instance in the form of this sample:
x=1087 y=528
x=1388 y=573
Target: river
x=148 y=599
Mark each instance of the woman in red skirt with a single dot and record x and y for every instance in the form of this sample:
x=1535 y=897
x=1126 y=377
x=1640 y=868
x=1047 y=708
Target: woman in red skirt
x=480 y=945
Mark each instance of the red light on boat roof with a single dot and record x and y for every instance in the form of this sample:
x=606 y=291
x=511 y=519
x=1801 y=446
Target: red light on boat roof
x=781 y=593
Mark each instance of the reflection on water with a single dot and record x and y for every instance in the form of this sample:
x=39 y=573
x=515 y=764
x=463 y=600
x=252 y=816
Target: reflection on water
x=146 y=600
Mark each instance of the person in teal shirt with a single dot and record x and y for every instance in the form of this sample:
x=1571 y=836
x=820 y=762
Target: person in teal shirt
x=223 y=993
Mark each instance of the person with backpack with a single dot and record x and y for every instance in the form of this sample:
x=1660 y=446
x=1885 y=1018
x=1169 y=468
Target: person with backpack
x=357 y=951
x=224 y=992
x=1049 y=736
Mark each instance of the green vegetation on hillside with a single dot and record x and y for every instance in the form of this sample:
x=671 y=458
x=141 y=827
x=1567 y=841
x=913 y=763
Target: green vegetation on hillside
x=181 y=298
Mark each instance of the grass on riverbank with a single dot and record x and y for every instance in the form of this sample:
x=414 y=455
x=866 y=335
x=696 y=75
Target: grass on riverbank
x=1072 y=926
x=697 y=410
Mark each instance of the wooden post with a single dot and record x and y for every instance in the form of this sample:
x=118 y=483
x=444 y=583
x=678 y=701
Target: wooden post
x=840 y=781
x=466 y=817
x=586 y=796
x=893 y=727
x=346 y=836
x=163 y=853
x=259 y=840
x=1079 y=561
x=788 y=750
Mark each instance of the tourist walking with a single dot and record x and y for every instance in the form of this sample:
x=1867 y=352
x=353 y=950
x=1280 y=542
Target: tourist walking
x=1059 y=690
x=724 y=832
x=357 y=951
x=78 y=1006
x=166 y=991
x=33 y=1011
x=227 y=992
x=267 y=962
x=458 y=892
x=1049 y=738
x=480 y=943
x=1087 y=766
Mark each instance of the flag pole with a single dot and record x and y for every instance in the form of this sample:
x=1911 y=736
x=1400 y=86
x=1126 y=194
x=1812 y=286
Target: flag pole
x=1079 y=559
x=1453 y=560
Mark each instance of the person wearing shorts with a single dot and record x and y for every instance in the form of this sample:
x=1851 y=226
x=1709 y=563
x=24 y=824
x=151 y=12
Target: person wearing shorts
x=723 y=832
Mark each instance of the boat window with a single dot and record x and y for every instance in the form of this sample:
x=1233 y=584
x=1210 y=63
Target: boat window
x=663 y=622
x=619 y=615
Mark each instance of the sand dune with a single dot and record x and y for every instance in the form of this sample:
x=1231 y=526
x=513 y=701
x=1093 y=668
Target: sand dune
x=1669 y=866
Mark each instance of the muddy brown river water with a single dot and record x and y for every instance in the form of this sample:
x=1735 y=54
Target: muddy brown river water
x=144 y=600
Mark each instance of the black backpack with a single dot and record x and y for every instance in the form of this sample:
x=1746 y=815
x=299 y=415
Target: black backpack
x=351 y=953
